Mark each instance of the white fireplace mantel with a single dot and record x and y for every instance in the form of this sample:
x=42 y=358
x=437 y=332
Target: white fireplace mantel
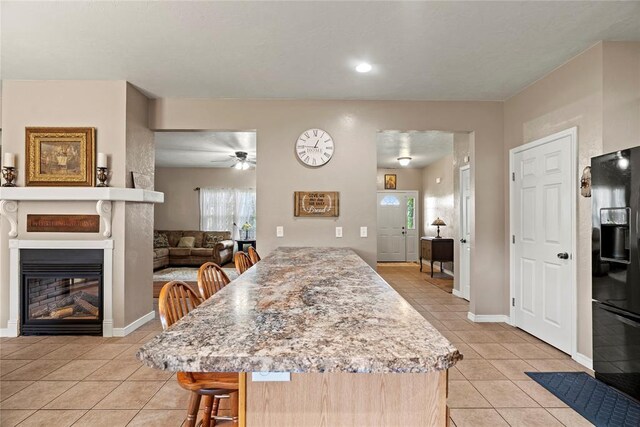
x=103 y=196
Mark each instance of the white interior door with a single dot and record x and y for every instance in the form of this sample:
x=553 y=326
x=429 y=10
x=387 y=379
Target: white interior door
x=542 y=222
x=397 y=226
x=465 y=231
x=391 y=227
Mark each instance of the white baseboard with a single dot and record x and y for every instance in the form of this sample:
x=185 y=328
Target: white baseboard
x=6 y=333
x=123 y=332
x=457 y=293
x=483 y=318
x=583 y=360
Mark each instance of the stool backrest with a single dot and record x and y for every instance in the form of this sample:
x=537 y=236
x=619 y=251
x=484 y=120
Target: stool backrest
x=253 y=255
x=242 y=261
x=211 y=278
x=176 y=300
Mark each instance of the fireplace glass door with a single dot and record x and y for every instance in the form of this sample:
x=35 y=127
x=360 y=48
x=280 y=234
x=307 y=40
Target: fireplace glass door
x=62 y=292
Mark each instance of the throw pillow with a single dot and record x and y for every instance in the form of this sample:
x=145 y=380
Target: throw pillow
x=186 y=242
x=160 y=240
x=210 y=241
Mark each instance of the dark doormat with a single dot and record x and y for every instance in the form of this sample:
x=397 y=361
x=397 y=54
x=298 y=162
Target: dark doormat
x=599 y=403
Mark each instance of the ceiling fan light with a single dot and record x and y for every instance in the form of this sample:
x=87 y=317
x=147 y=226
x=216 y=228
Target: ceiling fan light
x=245 y=166
x=404 y=161
x=238 y=165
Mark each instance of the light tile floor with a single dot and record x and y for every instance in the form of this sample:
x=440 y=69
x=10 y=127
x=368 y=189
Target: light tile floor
x=95 y=381
x=489 y=387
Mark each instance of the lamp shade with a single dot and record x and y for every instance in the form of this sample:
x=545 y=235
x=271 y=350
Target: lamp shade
x=438 y=221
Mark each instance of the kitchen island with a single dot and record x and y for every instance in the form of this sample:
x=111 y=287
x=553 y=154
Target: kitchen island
x=359 y=354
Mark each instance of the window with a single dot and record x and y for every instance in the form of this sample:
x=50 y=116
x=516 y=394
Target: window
x=221 y=208
x=411 y=213
x=389 y=200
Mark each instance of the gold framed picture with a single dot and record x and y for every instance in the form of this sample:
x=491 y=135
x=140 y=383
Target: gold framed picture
x=390 y=181
x=60 y=157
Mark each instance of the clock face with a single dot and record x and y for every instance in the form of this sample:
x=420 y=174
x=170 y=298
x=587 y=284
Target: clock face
x=314 y=147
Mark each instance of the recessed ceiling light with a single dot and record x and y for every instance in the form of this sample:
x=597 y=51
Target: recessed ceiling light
x=363 y=67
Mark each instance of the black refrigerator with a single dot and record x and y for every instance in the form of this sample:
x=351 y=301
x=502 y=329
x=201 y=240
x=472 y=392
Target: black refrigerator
x=615 y=190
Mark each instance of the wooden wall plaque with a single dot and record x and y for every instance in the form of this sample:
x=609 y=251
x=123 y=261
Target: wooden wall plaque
x=316 y=204
x=63 y=223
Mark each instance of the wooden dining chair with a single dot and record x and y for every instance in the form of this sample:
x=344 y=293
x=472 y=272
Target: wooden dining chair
x=176 y=300
x=242 y=261
x=211 y=278
x=253 y=255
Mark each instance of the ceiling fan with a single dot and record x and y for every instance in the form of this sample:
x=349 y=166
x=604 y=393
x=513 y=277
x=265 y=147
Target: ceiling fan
x=240 y=160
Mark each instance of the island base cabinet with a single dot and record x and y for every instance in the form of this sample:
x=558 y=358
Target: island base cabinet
x=349 y=400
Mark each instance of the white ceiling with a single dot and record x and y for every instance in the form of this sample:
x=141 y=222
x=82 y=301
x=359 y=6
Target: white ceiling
x=307 y=50
x=202 y=149
x=424 y=148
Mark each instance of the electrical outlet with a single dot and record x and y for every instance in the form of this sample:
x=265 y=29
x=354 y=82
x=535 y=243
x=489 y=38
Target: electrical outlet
x=279 y=231
x=270 y=376
x=363 y=231
x=338 y=231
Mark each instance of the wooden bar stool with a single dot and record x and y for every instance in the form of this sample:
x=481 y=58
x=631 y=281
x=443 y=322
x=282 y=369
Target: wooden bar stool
x=242 y=261
x=253 y=255
x=211 y=278
x=177 y=299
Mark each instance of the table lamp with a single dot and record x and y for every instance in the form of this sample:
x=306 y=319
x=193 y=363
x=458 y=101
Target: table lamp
x=438 y=222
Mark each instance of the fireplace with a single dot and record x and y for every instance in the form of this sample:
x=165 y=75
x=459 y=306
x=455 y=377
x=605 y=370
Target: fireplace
x=61 y=292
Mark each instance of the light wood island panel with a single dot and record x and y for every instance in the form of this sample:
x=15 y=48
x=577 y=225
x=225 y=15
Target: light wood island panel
x=349 y=400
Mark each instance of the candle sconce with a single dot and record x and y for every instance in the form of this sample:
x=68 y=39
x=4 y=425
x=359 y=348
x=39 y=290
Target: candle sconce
x=102 y=177
x=9 y=175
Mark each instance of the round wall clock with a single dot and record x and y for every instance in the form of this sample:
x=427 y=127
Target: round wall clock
x=314 y=147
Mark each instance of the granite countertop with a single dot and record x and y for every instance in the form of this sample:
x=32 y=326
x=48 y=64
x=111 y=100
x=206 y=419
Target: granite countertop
x=303 y=310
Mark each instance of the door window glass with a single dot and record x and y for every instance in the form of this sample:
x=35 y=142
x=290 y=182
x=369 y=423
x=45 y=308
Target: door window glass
x=411 y=213
x=390 y=200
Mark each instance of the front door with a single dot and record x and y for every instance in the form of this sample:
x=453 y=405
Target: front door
x=397 y=226
x=465 y=231
x=542 y=238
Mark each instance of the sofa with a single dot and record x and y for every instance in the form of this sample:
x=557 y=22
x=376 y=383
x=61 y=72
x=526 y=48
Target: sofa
x=208 y=246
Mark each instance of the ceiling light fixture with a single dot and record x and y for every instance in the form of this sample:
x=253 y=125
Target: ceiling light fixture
x=404 y=161
x=239 y=165
x=363 y=67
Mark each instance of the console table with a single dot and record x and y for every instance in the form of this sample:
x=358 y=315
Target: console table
x=242 y=242
x=436 y=249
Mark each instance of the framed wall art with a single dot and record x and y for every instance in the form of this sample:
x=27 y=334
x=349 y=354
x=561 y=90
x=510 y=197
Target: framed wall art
x=60 y=157
x=316 y=204
x=390 y=181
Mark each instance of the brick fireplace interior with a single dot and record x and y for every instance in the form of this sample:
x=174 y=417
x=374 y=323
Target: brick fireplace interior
x=61 y=291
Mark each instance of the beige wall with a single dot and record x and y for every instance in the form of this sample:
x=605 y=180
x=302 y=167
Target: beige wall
x=598 y=91
x=181 y=208
x=140 y=149
x=570 y=96
x=621 y=95
x=437 y=198
x=352 y=171
x=99 y=104
x=406 y=178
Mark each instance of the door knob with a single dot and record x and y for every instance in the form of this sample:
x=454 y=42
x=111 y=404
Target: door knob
x=463 y=240
x=563 y=255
